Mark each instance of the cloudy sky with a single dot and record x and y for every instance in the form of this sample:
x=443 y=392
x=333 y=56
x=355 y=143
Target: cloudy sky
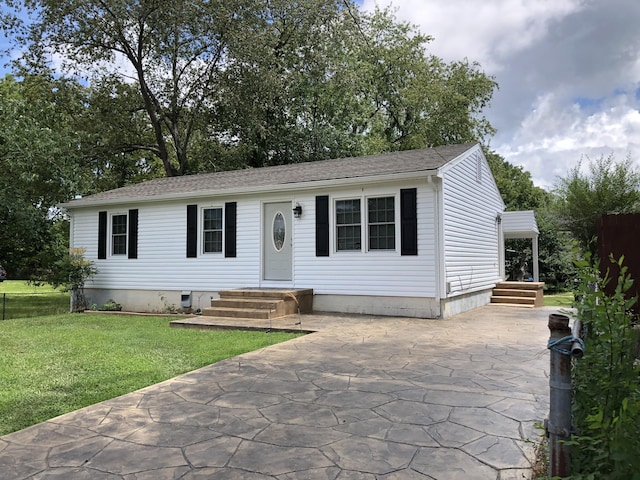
x=568 y=71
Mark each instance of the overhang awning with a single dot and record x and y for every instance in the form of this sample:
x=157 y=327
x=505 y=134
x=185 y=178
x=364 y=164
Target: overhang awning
x=520 y=224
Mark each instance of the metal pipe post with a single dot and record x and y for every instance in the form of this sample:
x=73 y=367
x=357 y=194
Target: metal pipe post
x=559 y=423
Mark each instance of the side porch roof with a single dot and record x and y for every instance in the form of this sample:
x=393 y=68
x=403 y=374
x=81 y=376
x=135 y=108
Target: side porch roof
x=521 y=224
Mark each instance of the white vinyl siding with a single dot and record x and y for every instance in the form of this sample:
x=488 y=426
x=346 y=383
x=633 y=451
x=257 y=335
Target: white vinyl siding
x=379 y=272
x=162 y=264
x=471 y=204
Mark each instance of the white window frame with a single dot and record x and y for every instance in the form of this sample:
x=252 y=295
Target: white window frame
x=201 y=230
x=364 y=223
x=336 y=226
x=395 y=223
x=111 y=234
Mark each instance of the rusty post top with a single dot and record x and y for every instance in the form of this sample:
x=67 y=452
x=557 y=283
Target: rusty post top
x=559 y=324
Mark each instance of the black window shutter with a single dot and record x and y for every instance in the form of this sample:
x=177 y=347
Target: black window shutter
x=192 y=231
x=102 y=235
x=133 y=233
x=322 y=226
x=230 y=229
x=408 y=221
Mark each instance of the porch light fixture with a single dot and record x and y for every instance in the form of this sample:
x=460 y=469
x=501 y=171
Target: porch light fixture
x=297 y=210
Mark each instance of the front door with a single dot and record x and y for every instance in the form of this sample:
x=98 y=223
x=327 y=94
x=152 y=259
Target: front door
x=277 y=241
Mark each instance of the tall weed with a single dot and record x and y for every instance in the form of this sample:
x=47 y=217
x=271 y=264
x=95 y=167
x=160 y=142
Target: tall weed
x=606 y=407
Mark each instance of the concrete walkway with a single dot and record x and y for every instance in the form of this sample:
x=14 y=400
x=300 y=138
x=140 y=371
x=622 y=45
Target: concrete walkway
x=363 y=398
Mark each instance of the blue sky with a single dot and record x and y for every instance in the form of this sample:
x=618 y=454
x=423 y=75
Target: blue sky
x=568 y=71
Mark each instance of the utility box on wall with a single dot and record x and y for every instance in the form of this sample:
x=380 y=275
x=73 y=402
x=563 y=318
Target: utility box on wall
x=185 y=300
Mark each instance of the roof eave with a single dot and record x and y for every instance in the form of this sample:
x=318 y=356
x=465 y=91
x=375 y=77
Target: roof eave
x=283 y=187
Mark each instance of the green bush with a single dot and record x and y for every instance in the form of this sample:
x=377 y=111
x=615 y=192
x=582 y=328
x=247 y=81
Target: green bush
x=606 y=382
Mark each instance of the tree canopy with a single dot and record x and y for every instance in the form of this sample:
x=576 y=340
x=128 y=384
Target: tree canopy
x=41 y=166
x=201 y=86
x=606 y=187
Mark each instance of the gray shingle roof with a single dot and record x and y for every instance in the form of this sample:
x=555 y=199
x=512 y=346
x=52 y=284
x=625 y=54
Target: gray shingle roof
x=260 y=178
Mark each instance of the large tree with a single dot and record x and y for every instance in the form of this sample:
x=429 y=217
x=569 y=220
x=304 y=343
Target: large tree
x=42 y=164
x=606 y=187
x=247 y=82
x=344 y=82
x=173 y=51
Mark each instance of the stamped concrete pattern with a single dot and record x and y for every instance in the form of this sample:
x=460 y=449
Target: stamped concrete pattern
x=362 y=398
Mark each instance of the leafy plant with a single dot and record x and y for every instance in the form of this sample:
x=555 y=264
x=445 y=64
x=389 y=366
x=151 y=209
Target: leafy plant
x=168 y=307
x=71 y=273
x=110 y=306
x=606 y=380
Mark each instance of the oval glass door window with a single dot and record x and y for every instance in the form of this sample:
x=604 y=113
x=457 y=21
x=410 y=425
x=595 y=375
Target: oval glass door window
x=279 y=231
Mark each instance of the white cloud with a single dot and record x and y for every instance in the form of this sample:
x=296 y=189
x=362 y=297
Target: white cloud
x=486 y=31
x=568 y=72
x=555 y=136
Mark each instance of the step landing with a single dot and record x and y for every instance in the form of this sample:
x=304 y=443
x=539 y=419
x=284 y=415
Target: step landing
x=520 y=294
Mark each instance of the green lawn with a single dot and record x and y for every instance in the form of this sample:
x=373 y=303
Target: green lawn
x=51 y=365
x=21 y=286
x=18 y=299
x=559 y=300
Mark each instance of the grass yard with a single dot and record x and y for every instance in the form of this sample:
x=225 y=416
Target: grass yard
x=52 y=365
x=559 y=300
x=18 y=299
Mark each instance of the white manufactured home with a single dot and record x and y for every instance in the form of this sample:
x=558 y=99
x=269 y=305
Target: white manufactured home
x=414 y=233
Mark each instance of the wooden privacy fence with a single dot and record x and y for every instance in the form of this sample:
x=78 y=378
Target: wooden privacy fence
x=619 y=235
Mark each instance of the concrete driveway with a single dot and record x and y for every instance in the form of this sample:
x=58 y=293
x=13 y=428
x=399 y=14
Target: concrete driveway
x=362 y=398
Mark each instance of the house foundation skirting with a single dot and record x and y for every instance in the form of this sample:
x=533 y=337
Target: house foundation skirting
x=467 y=301
x=377 y=305
x=165 y=301
x=152 y=301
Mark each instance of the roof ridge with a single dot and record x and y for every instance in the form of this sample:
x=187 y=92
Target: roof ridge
x=381 y=164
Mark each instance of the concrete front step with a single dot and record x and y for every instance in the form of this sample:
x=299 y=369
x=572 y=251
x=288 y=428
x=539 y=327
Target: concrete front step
x=511 y=292
x=266 y=292
x=240 y=302
x=252 y=303
x=521 y=305
x=520 y=285
x=518 y=300
x=231 y=312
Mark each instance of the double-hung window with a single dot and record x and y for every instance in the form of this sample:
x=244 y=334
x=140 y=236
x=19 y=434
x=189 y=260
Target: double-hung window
x=212 y=231
x=119 y=234
x=348 y=225
x=381 y=223
x=379 y=228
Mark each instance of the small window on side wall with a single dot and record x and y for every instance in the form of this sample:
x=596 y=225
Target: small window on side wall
x=119 y=234
x=212 y=231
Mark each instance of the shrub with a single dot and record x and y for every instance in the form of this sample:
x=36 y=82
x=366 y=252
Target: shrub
x=606 y=381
